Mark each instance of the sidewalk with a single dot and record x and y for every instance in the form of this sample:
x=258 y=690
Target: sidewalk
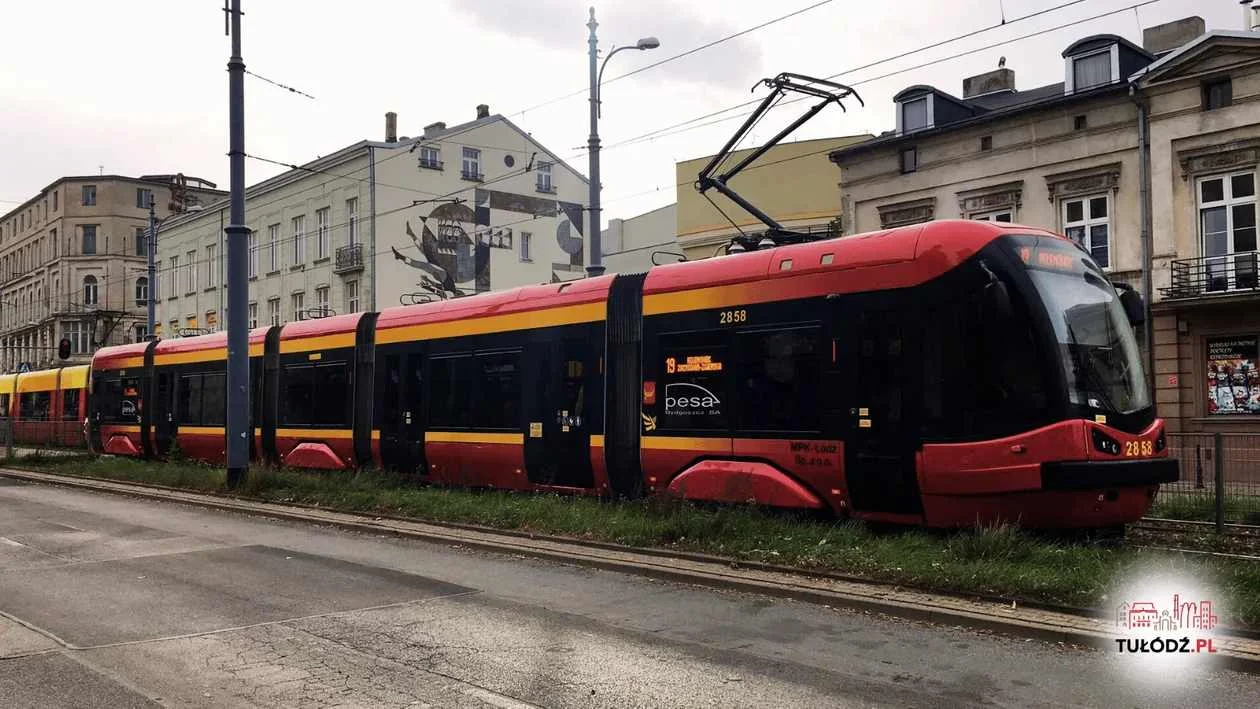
x=1237 y=653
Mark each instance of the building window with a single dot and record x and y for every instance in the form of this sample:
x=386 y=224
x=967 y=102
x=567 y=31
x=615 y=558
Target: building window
x=1078 y=123
x=273 y=310
x=352 y=221
x=90 y=292
x=253 y=253
x=1002 y=215
x=80 y=335
x=916 y=114
x=1090 y=70
x=1217 y=94
x=253 y=315
x=299 y=304
x=526 y=237
x=299 y=240
x=1231 y=375
x=89 y=195
x=141 y=331
x=430 y=157
x=142 y=197
x=1227 y=227
x=1087 y=221
x=273 y=247
x=211 y=261
x=174 y=327
x=142 y=292
x=171 y=292
x=472 y=164
x=544 y=178
x=190 y=268
x=321 y=233
x=986 y=143
x=352 y=296
x=142 y=241
x=909 y=160
x=89 y=239
x=321 y=300
x=212 y=321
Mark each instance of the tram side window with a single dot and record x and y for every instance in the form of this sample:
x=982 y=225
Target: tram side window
x=779 y=378
x=297 y=398
x=116 y=400
x=214 y=399
x=982 y=374
x=70 y=404
x=450 y=392
x=189 y=406
x=34 y=405
x=500 y=380
x=4 y=406
x=330 y=390
x=694 y=373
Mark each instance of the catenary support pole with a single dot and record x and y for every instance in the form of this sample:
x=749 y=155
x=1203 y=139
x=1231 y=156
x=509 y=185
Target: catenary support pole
x=238 y=285
x=151 y=254
x=597 y=267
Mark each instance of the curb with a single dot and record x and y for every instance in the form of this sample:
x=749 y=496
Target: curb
x=694 y=569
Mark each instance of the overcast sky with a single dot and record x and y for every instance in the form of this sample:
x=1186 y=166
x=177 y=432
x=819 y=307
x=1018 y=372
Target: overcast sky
x=141 y=86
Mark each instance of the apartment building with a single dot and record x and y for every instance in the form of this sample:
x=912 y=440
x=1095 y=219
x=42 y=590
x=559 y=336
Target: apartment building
x=1071 y=157
x=456 y=210
x=72 y=263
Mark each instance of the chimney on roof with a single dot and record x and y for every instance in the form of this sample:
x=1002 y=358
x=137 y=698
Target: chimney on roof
x=1251 y=17
x=391 y=127
x=433 y=129
x=1164 y=38
x=990 y=82
x=483 y=111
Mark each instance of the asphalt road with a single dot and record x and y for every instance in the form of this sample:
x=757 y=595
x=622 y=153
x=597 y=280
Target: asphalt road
x=114 y=602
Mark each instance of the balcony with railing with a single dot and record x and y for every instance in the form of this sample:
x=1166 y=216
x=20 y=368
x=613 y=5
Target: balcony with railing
x=348 y=259
x=1214 y=275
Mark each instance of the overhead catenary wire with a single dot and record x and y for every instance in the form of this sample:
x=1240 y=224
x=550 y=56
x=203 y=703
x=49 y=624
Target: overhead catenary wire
x=685 y=125
x=680 y=55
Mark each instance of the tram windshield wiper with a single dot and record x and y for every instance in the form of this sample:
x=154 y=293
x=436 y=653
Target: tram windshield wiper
x=1079 y=356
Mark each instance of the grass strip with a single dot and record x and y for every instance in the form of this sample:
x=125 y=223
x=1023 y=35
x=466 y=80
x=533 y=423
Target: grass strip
x=1201 y=507
x=994 y=561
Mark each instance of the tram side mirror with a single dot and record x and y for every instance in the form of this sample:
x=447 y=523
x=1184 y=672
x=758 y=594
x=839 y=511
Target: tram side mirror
x=1134 y=307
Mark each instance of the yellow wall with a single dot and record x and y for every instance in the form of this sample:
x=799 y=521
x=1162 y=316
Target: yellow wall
x=794 y=182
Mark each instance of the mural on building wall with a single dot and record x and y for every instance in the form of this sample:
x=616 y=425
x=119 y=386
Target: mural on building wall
x=452 y=251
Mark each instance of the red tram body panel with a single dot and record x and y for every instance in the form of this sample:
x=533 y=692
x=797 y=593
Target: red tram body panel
x=943 y=374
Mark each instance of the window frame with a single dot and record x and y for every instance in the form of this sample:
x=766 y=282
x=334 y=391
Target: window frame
x=1087 y=223
x=1227 y=98
x=928 y=114
x=91 y=290
x=470 y=165
x=992 y=215
x=88 y=196
x=1230 y=261
x=84 y=231
x=1113 y=53
x=321 y=232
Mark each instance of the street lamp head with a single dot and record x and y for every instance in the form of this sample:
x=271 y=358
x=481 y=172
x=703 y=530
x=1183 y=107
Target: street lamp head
x=648 y=43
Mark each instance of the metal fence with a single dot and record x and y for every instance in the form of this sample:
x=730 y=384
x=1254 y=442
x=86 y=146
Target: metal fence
x=1220 y=478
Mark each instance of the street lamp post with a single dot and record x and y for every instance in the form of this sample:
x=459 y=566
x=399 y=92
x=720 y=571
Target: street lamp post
x=597 y=73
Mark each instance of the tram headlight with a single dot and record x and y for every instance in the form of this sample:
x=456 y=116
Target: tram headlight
x=1105 y=443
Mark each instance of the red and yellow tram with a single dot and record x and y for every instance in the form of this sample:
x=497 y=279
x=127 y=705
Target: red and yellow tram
x=941 y=374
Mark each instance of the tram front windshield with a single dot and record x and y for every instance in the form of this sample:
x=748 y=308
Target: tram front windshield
x=1096 y=345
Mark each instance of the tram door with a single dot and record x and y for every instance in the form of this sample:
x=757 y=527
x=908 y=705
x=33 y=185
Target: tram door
x=402 y=420
x=558 y=422
x=880 y=432
x=164 y=411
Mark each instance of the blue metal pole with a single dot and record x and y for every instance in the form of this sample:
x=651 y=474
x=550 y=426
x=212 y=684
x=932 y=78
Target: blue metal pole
x=238 y=284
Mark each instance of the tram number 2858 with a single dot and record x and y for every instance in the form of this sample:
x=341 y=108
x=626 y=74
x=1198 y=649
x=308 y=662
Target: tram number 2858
x=729 y=317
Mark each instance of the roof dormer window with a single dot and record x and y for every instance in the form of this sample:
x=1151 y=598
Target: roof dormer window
x=915 y=113
x=1092 y=70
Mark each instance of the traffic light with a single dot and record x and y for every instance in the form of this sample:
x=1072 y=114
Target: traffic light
x=63 y=348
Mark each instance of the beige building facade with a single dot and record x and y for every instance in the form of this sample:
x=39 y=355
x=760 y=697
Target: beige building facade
x=1069 y=157
x=73 y=264
x=793 y=182
x=636 y=244
x=457 y=210
x=1205 y=155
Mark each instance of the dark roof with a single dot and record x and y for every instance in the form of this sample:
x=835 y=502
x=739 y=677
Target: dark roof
x=1098 y=41
x=991 y=107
